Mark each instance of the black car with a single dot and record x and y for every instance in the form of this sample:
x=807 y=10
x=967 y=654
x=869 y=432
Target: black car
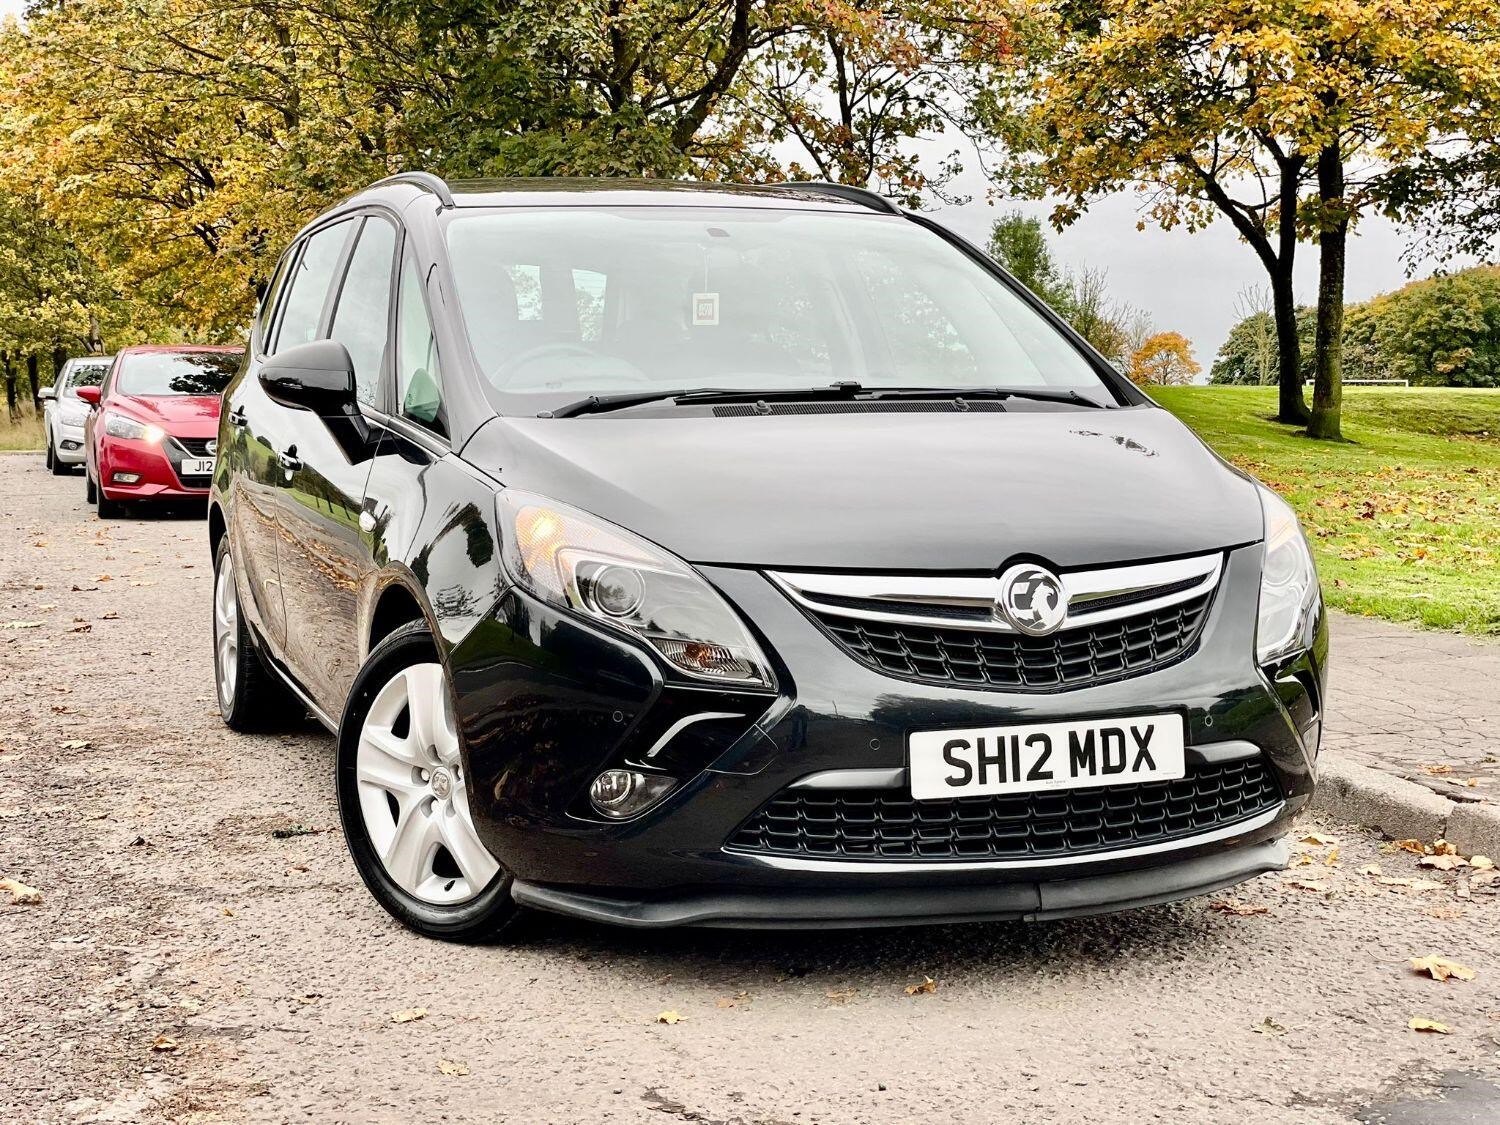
x=671 y=554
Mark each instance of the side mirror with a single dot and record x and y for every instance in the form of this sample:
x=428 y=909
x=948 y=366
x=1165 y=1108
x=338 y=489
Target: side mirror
x=89 y=395
x=318 y=376
x=47 y=394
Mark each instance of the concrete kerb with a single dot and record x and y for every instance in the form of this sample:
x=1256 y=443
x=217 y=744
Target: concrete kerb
x=1404 y=810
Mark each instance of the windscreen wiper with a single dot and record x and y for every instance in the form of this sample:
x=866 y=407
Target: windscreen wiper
x=598 y=404
x=851 y=391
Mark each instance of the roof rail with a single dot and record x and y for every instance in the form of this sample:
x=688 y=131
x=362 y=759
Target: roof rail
x=863 y=196
x=427 y=181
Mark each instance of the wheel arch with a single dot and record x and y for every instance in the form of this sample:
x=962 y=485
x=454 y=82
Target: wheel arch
x=218 y=527
x=397 y=601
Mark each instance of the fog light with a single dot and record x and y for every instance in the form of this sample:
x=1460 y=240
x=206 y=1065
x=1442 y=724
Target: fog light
x=126 y=478
x=619 y=794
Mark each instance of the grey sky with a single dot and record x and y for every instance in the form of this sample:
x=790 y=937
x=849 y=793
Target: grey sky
x=1187 y=282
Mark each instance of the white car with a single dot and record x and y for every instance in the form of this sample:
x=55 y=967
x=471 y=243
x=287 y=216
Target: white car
x=64 y=412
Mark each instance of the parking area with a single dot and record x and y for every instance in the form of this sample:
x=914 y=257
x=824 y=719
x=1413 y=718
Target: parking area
x=204 y=951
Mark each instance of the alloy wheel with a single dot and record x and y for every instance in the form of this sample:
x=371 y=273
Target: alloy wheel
x=226 y=632
x=411 y=791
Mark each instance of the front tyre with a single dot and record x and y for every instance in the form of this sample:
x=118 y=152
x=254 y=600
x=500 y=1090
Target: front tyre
x=404 y=802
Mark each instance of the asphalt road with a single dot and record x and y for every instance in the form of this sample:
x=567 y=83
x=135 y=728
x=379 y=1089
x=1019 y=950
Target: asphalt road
x=189 y=964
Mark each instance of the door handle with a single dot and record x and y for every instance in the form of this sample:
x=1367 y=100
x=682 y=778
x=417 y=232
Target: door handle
x=288 y=459
x=237 y=417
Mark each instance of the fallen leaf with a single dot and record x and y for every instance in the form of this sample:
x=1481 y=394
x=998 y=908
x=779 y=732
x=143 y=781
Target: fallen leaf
x=1481 y=863
x=1318 y=839
x=22 y=625
x=110 y=616
x=74 y=744
x=1410 y=884
x=926 y=985
x=452 y=1069
x=1306 y=884
x=1416 y=847
x=103 y=578
x=1441 y=968
x=1438 y=769
x=294 y=830
x=1422 y=1023
x=1333 y=859
x=164 y=1043
x=840 y=995
x=84 y=628
x=1443 y=862
x=406 y=1015
x=1268 y=1026
x=20 y=893
x=1368 y=869
x=1237 y=908
x=669 y=1016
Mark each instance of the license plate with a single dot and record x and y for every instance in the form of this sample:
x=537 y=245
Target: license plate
x=196 y=466
x=1025 y=759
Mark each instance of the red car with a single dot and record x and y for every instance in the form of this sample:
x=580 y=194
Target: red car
x=152 y=432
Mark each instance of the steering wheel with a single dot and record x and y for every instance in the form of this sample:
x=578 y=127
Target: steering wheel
x=506 y=372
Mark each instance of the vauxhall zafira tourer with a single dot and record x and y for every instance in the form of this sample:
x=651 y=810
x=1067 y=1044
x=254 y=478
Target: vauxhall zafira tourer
x=675 y=554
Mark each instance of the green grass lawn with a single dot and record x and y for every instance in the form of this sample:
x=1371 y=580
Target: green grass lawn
x=1404 y=518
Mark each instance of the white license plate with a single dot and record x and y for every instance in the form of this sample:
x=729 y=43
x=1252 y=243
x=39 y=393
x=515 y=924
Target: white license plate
x=1024 y=759
x=196 y=466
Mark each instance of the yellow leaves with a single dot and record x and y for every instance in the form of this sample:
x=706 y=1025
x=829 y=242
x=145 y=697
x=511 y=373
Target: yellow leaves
x=408 y=1015
x=924 y=987
x=1268 y=1026
x=1422 y=1023
x=20 y=894
x=452 y=1069
x=1441 y=968
x=669 y=1017
x=1237 y=908
x=164 y=1043
x=1317 y=839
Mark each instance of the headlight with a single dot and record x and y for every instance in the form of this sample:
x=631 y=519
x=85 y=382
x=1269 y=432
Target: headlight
x=118 y=425
x=72 y=413
x=578 y=562
x=1288 y=581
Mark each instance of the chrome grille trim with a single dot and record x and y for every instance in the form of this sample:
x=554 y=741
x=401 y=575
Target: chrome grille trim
x=947 y=602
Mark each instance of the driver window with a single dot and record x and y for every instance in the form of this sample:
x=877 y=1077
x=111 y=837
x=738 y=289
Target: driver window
x=419 y=385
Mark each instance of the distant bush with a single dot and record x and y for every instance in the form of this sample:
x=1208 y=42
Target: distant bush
x=1440 y=332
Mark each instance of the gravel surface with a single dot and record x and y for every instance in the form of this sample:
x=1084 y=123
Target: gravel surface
x=187 y=963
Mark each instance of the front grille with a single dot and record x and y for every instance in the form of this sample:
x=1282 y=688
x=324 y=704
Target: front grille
x=1079 y=657
x=196 y=447
x=886 y=824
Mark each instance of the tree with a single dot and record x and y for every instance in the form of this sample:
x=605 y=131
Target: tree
x=1163 y=97
x=1165 y=359
x=1258 y=110
x=1018 y=243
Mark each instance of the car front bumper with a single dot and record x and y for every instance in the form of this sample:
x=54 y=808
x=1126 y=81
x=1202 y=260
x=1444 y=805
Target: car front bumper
x=67 y=443
x=155 y=464
x=546 y=701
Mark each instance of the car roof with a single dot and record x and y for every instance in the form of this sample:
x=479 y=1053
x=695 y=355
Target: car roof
x=556 y=191
x=178 y=349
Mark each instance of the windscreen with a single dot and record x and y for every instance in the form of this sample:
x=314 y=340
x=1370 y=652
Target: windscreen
x=571 y=302
x=84 y=375
x=176 y=373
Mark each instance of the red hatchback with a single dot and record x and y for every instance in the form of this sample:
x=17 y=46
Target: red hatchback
x=153 y=429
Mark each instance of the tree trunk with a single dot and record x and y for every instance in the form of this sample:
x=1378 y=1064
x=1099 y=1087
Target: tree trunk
x=10 y=389
x=34 y=376
x=96 y=338
x=1333 y=236
x=1291 y=403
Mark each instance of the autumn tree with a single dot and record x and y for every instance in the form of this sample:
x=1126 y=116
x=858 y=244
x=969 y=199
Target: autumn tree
x=1165 y=359
x=1157 y=96
x=1291 y=117
x=1018 y=242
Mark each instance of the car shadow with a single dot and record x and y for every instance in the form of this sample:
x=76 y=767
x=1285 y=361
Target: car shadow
x=1176 y=930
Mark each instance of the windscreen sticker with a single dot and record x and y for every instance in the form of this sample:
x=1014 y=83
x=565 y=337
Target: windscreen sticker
x=705 y=309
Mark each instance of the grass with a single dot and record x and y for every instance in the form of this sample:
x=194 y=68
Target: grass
x=1404 y=517
x=23 y=434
